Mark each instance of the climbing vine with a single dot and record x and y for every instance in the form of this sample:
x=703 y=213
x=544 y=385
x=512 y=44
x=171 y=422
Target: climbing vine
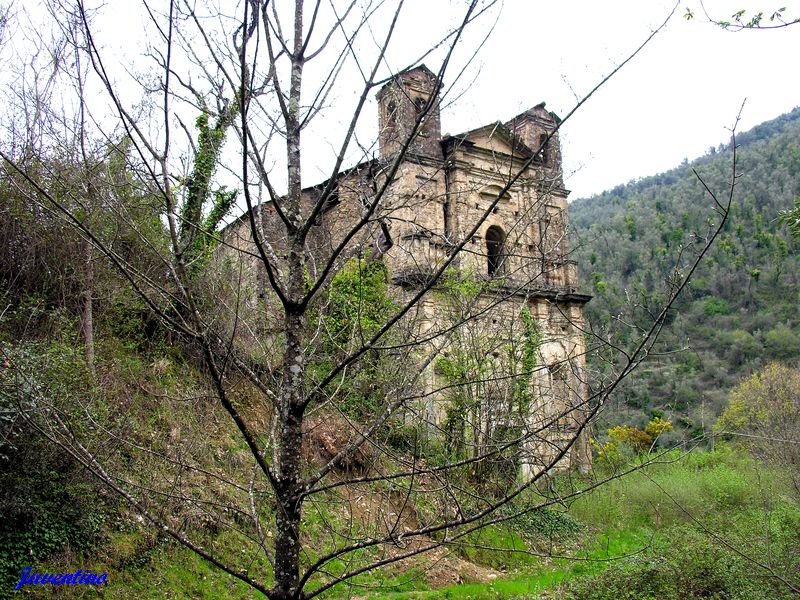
x=195 y=230
x=531 y=341
x=355 y=306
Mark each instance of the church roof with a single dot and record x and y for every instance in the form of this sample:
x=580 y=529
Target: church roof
x=493 y=131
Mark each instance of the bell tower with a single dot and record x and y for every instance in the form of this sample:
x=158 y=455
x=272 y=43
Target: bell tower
x=537 y=128
x=410 y=99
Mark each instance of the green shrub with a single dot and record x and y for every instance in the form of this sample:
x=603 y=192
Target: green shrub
x=728 y=488
x=715 y=306
x=546 y=523
x=47 y=500
x=782 y=343
x=685 y=565
x=497 y=546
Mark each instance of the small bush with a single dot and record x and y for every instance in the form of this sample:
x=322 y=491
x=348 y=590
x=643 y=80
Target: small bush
x=728 y=488
x=625 y=441
x=715 y=306
x=498 y=547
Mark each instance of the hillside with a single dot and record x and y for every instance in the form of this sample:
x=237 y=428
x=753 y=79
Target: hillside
x=741 y=309
x=144 y=405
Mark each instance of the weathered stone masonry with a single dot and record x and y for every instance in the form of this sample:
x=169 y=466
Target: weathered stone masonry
x=442 y=188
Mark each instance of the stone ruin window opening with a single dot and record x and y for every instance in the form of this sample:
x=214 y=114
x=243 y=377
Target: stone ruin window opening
x=391 y=113
x=558 y=377
x=559 y=388
x=544 y=227
x=495 y=239
x=419 y=105
x=544 y=148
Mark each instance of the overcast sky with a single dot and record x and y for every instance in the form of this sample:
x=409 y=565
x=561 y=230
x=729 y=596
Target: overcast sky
x=677 y=98
x=673 y=101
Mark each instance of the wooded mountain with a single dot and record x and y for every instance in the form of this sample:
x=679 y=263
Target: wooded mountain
x=741 y=309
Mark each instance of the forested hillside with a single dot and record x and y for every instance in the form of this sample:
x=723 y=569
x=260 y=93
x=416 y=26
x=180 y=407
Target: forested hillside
x=741 y=309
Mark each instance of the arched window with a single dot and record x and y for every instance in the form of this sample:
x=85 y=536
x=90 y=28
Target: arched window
x=494 y=249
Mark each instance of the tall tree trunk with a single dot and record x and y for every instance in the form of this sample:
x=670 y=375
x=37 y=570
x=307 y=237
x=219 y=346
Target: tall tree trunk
x=87 y=319
x=290 y=483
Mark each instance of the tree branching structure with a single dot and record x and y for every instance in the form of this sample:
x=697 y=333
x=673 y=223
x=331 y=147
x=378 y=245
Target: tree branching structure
x=743 y=20
x=368 y=500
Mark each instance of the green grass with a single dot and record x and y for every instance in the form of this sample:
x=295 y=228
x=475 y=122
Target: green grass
x=626 y=539
x=175 y=572
x=656 y=534
x=702 y=484
x=545 y=574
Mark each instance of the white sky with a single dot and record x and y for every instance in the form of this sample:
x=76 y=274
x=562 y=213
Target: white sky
x=674 y=101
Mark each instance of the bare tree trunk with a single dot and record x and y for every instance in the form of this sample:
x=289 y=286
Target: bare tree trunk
x=292 y=405
x=87 y=321
x=290 y=484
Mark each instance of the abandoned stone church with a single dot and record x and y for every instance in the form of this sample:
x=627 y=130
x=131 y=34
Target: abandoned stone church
x=449 y=196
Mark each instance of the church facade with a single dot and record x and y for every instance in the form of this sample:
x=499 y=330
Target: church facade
x=490 y=208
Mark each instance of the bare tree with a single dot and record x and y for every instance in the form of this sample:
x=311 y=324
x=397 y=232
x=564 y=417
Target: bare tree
x=295 y=306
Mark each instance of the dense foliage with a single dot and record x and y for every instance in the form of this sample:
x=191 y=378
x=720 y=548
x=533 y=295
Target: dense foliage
x=763 y=416
x=355 y=306
x=48 y=502
x=712 y=524
x=46 y=499
x=740 y=311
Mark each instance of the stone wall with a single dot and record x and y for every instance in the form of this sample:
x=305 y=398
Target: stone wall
x=445 y=193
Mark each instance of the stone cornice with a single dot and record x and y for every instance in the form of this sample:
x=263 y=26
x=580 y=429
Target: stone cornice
x=416 y=278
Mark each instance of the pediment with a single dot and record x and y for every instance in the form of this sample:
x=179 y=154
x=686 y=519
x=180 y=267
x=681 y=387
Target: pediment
x=497 y=138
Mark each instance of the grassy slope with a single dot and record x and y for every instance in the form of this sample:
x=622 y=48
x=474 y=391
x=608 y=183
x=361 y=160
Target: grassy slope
x=154 y=397
x=665 y=531
x=150 y=393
